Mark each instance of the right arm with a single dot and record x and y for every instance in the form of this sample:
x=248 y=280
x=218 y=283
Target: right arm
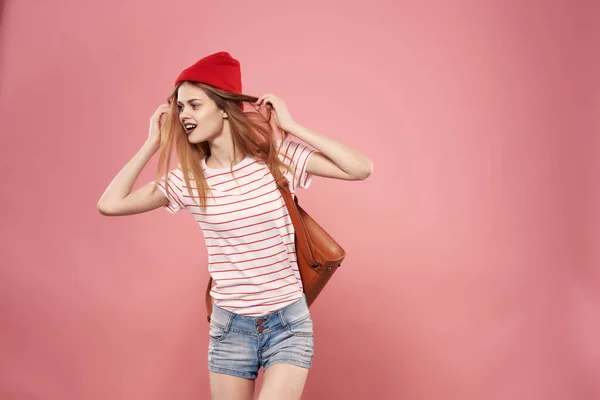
x=118 y=199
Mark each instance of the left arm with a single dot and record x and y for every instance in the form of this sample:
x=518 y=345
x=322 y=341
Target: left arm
x=334 y=159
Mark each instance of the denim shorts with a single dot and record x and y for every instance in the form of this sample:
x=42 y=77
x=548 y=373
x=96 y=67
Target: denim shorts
x=239 y=345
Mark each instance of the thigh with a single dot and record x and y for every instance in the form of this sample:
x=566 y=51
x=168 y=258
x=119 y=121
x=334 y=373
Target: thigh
x=293 y=344
x=226 y=387
x=232 y=352
x=283 y=382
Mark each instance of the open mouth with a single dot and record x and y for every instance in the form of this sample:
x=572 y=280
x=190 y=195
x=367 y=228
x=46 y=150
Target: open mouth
x=189 y=128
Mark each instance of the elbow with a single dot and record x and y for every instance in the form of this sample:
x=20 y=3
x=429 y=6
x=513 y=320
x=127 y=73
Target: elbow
x=103 y=209
x=366 y=172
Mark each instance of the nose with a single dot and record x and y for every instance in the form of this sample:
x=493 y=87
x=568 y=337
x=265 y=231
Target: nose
x=183 y=115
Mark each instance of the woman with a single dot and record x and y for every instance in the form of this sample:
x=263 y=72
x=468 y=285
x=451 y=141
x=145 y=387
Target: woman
x=229 y=160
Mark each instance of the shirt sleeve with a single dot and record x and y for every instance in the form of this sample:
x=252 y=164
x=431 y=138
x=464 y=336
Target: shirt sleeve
x=172 y=188
x=296 y=155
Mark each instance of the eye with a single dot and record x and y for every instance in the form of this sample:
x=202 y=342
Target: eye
x=194 y=106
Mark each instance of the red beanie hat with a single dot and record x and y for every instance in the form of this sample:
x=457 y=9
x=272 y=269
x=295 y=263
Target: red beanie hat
x=219 y=70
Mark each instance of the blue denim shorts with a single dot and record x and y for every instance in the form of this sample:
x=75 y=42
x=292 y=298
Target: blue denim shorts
x=239 y=345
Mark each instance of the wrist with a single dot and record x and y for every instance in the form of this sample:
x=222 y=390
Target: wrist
x=150 y=147
x=291 y=127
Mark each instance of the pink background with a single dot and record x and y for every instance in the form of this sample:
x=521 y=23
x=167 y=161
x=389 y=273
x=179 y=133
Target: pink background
x=472 y=268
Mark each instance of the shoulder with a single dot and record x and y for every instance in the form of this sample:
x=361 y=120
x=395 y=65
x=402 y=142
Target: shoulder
x=292 y=150
x=175 y=174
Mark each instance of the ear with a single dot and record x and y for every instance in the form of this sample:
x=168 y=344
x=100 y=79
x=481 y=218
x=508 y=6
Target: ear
x=225 y=115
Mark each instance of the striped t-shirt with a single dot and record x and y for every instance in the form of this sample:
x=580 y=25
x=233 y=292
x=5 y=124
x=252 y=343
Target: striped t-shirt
x=248 y=233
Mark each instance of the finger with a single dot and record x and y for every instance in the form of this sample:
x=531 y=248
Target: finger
x=161 y=111
x=266 y=101
x=265 y=98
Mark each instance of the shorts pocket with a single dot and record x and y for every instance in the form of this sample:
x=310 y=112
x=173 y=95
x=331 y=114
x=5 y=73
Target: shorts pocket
x=302 y=327
x=217 y=331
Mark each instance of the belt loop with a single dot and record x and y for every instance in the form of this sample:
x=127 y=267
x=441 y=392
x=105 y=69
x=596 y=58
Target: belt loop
x=282 y=318
x=230 y=318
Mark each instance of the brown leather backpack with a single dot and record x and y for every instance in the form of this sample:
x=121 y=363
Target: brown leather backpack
x=318 y=254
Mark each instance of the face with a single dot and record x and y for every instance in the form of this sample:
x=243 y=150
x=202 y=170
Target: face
x=202 y=120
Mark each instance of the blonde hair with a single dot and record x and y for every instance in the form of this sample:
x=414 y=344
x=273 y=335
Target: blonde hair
x=252 y=133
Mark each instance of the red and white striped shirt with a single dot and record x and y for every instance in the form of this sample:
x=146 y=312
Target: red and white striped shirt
x=247 y=230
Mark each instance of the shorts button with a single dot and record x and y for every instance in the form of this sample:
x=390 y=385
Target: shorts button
x=259 y=322
x=260 y=329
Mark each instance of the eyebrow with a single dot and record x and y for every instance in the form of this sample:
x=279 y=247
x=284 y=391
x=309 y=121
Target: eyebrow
x=189 y=101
